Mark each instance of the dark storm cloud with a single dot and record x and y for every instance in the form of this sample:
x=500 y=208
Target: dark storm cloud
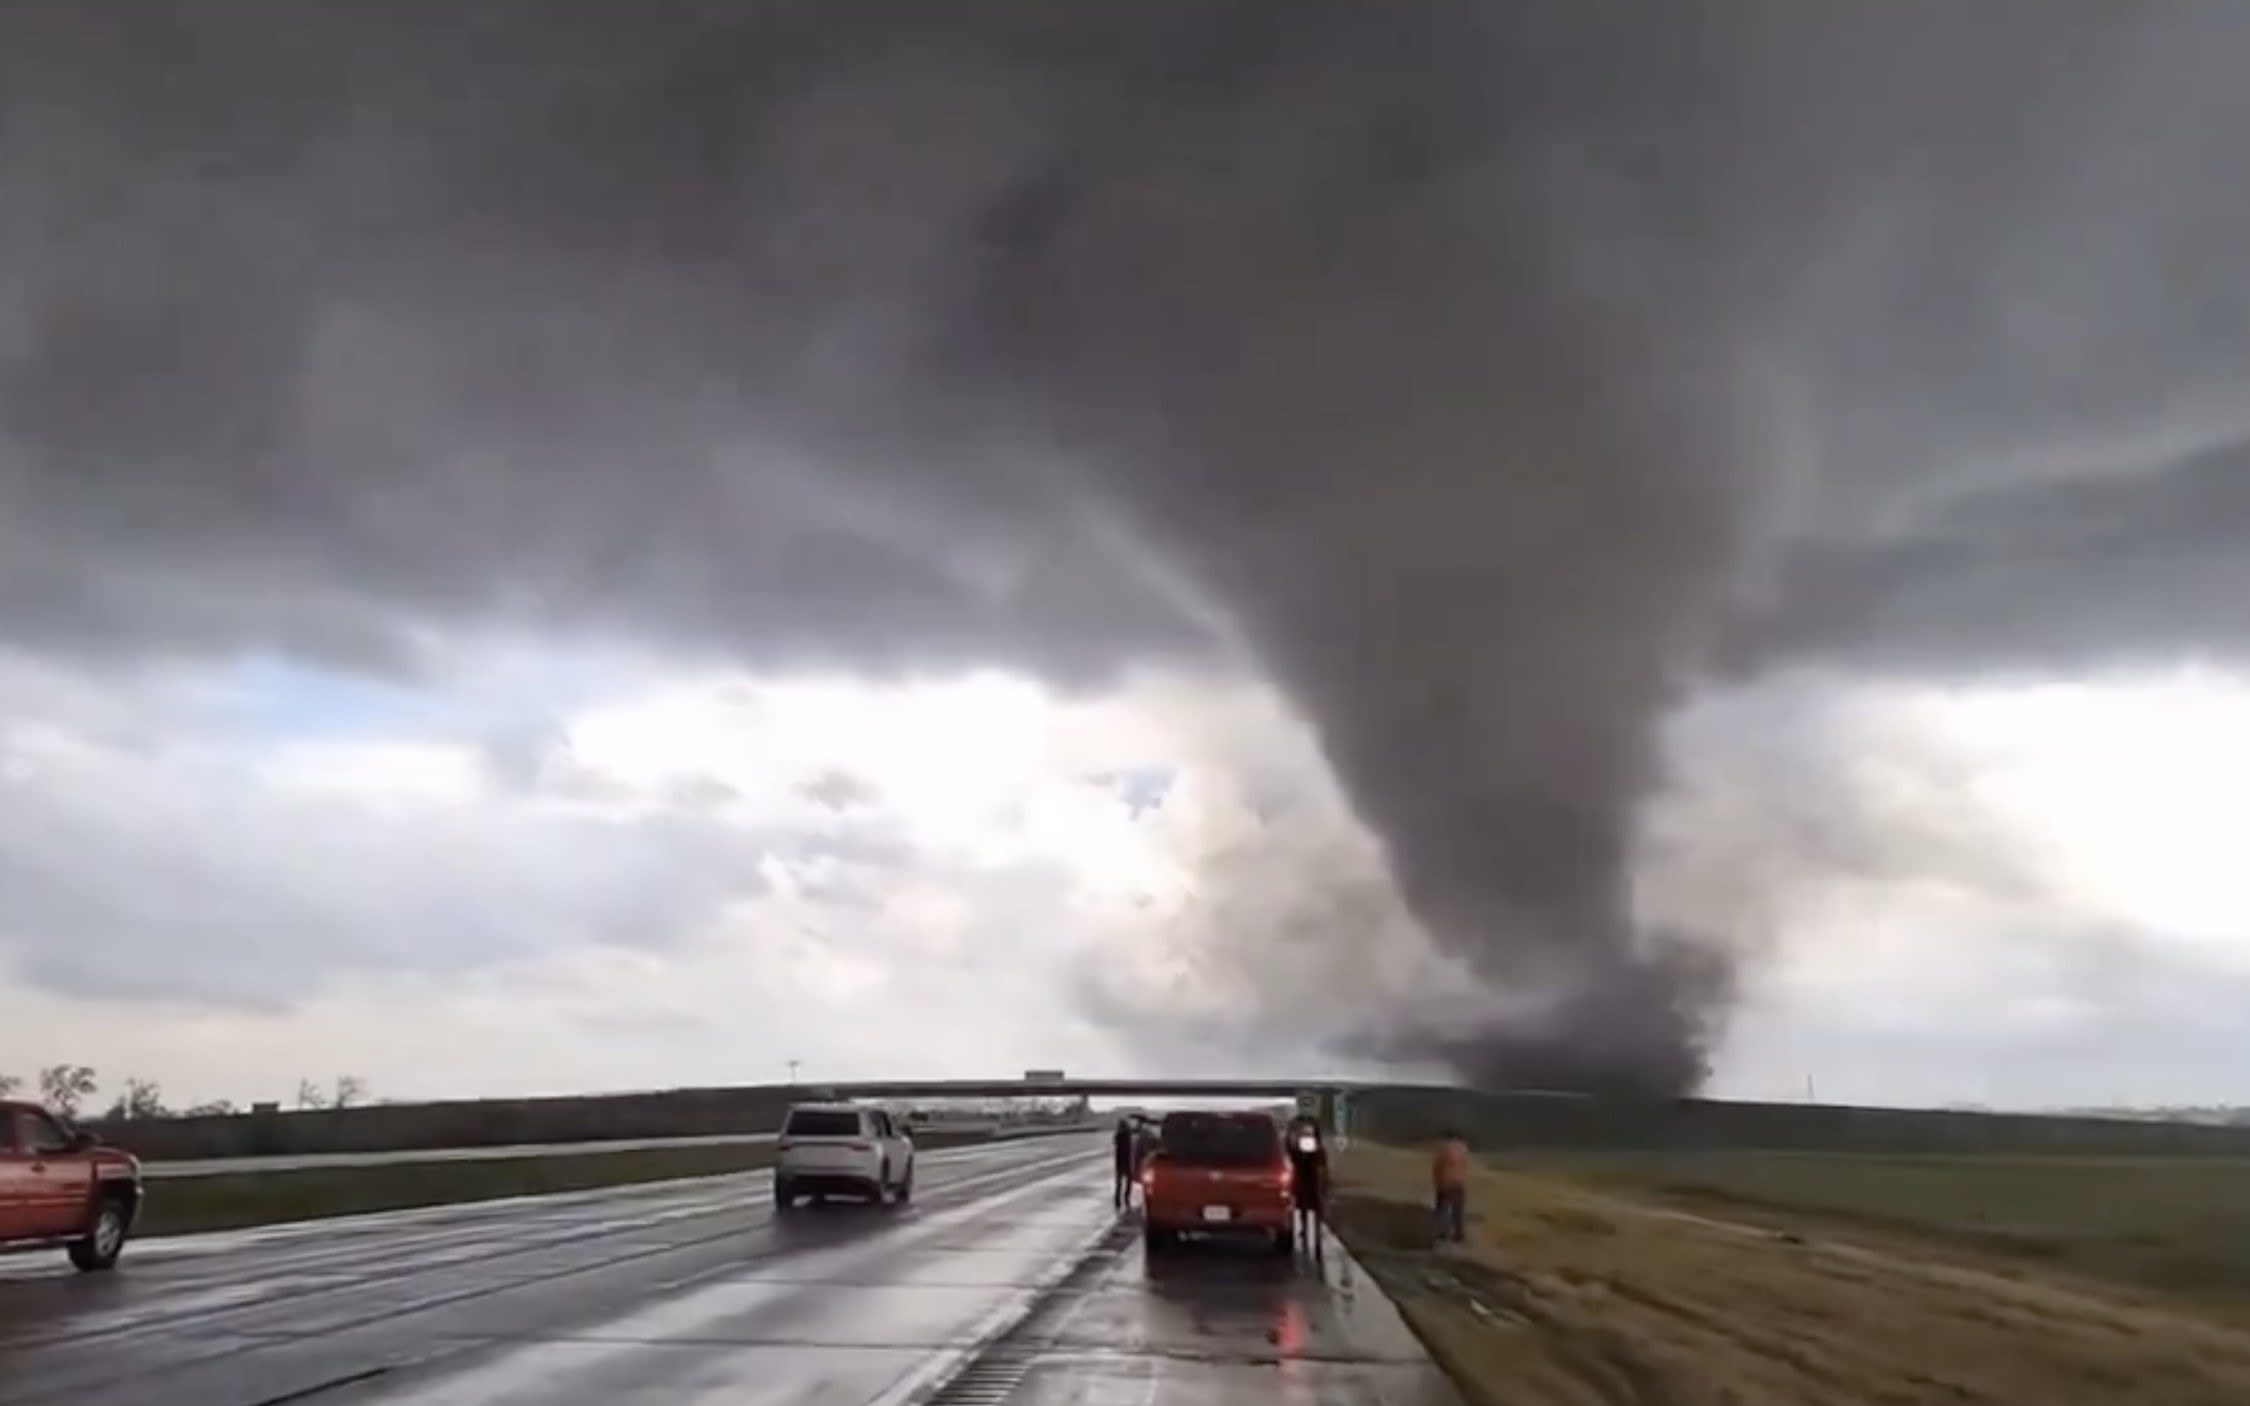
x=317 y=328
x=1472 y=365
x=2070 y=576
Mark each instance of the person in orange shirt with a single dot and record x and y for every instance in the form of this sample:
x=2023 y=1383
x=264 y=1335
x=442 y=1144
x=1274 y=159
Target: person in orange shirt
x=1449 y=1184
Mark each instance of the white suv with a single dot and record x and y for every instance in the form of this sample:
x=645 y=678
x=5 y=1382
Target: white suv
x=842 y=1149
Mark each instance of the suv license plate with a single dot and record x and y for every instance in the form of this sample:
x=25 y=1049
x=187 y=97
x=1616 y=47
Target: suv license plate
x=1218 y=1213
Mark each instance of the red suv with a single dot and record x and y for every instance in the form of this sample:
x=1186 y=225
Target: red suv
x=1218 y=1174
x=60 y=1187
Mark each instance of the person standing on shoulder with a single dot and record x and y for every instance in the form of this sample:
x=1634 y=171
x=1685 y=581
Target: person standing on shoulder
x=1127 y=1145
x=1308 y=1178
x=1449 y=1185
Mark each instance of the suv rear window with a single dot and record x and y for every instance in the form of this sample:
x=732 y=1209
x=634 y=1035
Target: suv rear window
x=1219 y=1139
x=822 y=1122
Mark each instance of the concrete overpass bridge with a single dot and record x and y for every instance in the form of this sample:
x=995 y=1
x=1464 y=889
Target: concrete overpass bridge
x=1330 y=1100
x=912 y=1089
x=1061 y=1086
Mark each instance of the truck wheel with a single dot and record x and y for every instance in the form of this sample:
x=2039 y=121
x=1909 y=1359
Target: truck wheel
x=784 y=1196
x=101 y=1245
x=906 y=1187
x=1285 y=1242
x=1156 y=1241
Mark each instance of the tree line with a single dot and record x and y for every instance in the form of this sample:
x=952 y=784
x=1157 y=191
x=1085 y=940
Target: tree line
x=69 y=1088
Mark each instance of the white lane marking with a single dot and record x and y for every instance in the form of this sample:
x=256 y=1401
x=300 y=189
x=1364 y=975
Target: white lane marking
x=929 y=1377
x=170 y=1313
x=466 y=1229
x=225 y=1240
x=446 y=1225
x=523 y=1372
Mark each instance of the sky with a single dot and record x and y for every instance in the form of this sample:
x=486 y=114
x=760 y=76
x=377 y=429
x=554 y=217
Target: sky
x=543 y=550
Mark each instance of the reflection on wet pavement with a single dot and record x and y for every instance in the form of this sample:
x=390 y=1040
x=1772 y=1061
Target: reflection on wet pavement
x=1217 y=1323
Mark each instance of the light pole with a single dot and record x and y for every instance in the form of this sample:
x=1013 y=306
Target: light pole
x=793 y=1073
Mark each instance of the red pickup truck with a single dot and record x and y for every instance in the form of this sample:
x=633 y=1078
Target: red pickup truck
x=60 y=1187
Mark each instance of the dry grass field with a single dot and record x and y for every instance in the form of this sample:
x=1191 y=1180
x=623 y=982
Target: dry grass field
x=1749 y=1278
x=2174 y=1223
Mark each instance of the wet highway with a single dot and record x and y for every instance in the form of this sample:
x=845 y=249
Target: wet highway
x=1009 y=1279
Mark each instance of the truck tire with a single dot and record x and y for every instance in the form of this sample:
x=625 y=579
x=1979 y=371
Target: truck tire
x=784 y=1196
x=104 y=1241
x=1285 y=1242
x=906 y=1187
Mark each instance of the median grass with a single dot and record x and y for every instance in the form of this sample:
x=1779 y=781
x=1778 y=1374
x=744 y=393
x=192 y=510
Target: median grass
x=1751 y=1277
x=234 y=1200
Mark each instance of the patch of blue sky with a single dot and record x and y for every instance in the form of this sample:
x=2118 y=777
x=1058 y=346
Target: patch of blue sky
x=1141 y=788
x=275 y=697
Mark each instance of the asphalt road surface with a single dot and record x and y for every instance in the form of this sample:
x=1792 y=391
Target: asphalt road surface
x=1009 y=1279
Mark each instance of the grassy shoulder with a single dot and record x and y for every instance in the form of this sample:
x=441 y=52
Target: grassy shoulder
x=2174 y=1224
x=1581 y=1289
x=233 y=1201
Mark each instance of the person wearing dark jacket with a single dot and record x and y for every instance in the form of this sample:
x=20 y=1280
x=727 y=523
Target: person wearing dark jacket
x=1126 y=1142
x=1308 y=1178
